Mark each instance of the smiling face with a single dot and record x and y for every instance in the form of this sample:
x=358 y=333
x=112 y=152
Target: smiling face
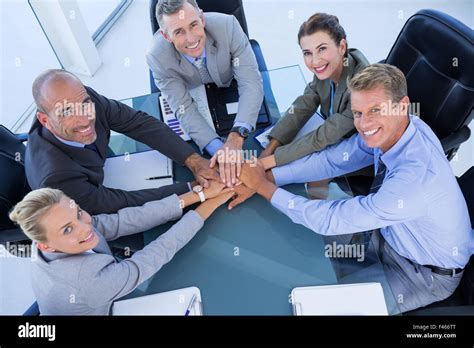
x=379 y=121
x=323 y=56
x=68 y=111
x=69 y=229
x=185 y=30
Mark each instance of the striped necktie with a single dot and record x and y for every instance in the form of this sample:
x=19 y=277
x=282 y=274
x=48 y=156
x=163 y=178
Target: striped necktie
x=364 y=237
x=379 y=176
x=200 y=65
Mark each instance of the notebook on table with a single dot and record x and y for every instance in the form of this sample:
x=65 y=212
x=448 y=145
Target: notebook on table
x=340 y=299
x=173 y=302
x=137 y=171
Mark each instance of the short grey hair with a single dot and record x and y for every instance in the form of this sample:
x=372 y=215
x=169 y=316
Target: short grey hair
x=169 y=7
x=44 y=79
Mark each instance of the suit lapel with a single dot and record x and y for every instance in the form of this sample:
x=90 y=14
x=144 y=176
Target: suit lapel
x=188 y=68
x=102 y=247
x=84 y=157
x=325 y=95
x=211 y=58
x=342 y=85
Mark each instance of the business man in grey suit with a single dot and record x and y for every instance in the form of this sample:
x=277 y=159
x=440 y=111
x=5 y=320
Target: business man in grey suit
x=68 y=142
x=194 y=48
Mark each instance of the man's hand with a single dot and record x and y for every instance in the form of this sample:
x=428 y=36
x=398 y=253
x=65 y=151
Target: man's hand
x=229 y=158
x=201 y=169
x=242 y=194
x=254 y=177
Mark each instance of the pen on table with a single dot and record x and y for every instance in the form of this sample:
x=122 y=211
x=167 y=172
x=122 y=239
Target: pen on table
x=191 y=303
x=158 y=177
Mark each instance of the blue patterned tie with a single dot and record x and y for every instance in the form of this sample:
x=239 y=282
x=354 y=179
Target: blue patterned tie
x=200 y=65
x=364 y=237
x=379 y=176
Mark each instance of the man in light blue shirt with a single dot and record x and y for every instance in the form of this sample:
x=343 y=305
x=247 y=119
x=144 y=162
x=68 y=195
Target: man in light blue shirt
x=425 y=237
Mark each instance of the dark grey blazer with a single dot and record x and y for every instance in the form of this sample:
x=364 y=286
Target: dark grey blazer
x=334 y=128
x=79 y=173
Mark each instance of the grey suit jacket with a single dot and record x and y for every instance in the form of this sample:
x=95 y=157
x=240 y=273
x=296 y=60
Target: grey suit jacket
x=228 y=54
x=334 y=128
x=88 y=283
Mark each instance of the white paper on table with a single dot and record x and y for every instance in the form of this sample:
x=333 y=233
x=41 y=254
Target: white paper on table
x=232 y=108
x=170 y=119
x=166 y=303
x=263 y=139
x=200 y=98
x=311 y=125
x=129 y=172
x=341 y=299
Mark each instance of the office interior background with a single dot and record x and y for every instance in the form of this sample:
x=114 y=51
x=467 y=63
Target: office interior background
x=120 y=32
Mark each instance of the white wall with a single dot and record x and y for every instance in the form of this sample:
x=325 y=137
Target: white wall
x=371 y=25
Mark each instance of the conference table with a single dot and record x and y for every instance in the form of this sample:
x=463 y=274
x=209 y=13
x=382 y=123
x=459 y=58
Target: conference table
x=247 y=261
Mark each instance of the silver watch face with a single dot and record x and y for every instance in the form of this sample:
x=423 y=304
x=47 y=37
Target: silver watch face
x=197 y=188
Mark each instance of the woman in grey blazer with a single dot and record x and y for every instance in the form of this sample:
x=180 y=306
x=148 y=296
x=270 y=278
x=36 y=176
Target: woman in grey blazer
x=74 y=272
x=323 y=44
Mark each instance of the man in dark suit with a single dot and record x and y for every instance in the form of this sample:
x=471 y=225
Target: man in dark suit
x=68 y=142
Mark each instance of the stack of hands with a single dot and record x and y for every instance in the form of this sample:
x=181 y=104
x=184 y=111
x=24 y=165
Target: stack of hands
x=229 y=175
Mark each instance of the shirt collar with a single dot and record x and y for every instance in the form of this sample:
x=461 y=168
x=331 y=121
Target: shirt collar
x=70 y=143
x=394 y=154
x=192 y=59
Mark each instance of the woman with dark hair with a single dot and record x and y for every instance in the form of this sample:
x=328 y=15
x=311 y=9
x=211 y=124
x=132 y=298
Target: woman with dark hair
x=324 y=46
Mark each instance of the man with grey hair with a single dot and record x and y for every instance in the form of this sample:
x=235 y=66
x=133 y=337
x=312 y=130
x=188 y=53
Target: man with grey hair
x=68 y=144
x=194 y=48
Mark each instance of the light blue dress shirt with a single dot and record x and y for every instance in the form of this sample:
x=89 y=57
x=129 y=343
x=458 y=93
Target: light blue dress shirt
x=70 y=143
x=216 y=143
x=419 y=208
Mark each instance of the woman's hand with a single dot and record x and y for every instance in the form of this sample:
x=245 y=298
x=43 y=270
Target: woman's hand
x=209 y=206
x=271 y=147
x=216 y=188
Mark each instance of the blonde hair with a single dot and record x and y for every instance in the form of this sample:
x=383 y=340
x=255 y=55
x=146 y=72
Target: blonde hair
x=388 y=76
x=32 y=208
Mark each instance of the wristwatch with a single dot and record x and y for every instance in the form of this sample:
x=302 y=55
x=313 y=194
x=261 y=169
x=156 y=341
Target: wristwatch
x=198 y=189
x=242 y=131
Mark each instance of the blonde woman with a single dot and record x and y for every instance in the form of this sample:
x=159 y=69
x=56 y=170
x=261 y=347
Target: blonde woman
x=75 y=272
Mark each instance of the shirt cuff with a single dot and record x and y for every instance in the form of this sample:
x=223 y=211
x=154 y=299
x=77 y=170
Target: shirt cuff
x=214 y=145
x=243 y=124
x=283 y=200
x=189 y=186
x=283 y=175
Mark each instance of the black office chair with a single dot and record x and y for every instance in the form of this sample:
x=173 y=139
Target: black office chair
x=435 y=52
x=13 y=183
x=461 y=302
x=230 y=7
